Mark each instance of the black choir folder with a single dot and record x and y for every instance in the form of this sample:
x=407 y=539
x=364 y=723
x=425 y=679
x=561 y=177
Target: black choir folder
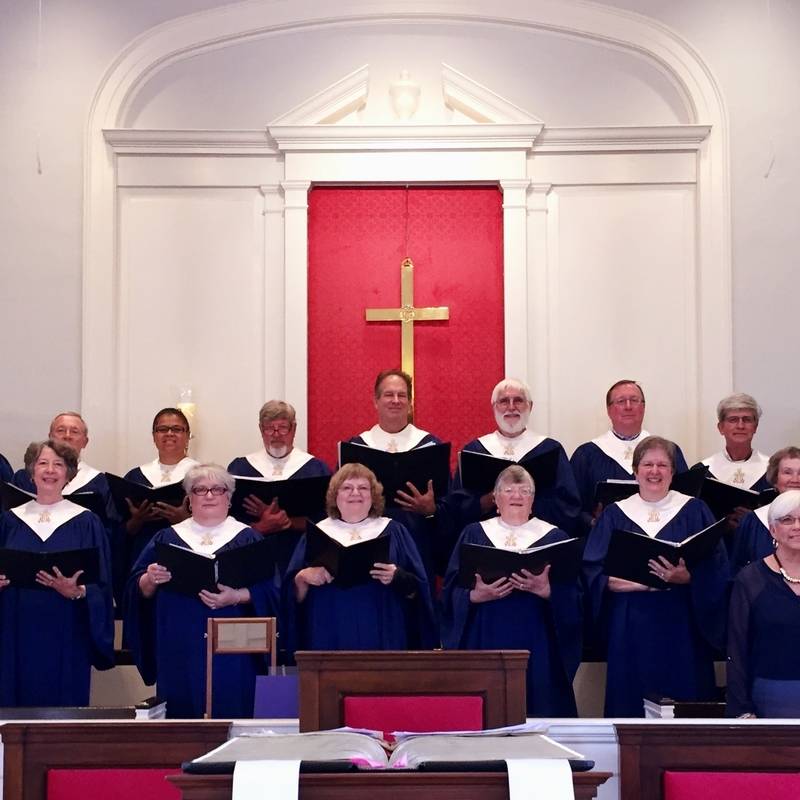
x=349 y=566
x=722 y=498
x=298 y=497
x=629 y=552
x=493 y=563
x=21 y=566
x=122 y=490
x=192 y=571
x=12 y=496
x=350 y=749
x=395 y=470
x=479 y=471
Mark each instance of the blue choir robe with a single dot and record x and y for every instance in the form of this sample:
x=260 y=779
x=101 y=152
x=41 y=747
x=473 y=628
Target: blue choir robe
x=607 y=458
x=751 y=540
x=558 y=504
x=747 y=474
x=550 y=629
x=433 y=536
x=659 y=642
x=148 y=475
x=167 y=636
x=49 y=643
x=368 y=616
x=6 y=470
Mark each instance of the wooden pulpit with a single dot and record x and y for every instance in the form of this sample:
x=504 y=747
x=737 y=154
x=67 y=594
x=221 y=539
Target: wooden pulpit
x=328 y=679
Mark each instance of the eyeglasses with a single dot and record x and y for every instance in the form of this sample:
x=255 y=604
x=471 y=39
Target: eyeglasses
x=204 y=491
x=507 y=402
x=621 y=402
x=349 y=489
x=281 y=428
x=169 y=429
x=788 y=520
x=62 y=431
x=523 y=491
x=735 y=420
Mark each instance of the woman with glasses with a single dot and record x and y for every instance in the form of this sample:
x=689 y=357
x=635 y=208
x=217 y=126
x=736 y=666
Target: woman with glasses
x=171 y=434
x=524 y=611
x=658 y=641
x=764 y=623
x=390 y=610
x=167 y=629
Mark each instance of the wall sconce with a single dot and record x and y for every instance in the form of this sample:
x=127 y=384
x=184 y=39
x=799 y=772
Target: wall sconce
x=405 y=96
x=187 y=404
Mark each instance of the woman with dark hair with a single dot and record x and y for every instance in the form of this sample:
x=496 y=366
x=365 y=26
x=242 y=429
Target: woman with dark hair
x=763 y=664
x=392 y=611
x=523 y=611
x=659 y=641
x=171 y=433
x=167 y=630
x=51 y=636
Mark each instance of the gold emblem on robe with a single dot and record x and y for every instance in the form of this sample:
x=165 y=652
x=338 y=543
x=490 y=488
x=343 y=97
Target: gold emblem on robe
x=654 y=516
x=738 y=477
x=44 y=516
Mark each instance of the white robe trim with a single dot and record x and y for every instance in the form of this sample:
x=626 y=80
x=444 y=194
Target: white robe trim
x=737 y=473
x=763 y=514
x=621 y=450
x=514 y=448
x=347 y=533
x=85 y=474
x=406 y=439
x=44 y=520
x=278 y=469
x=652 y=517
x=499 y=532
x=208 y=539
x=166 y=474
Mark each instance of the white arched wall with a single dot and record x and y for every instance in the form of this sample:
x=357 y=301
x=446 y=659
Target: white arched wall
x=698 y=155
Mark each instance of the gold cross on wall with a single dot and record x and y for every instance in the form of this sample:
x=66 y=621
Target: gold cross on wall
x=407 y=315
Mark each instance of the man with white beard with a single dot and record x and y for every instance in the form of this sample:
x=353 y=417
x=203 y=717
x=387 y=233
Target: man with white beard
x=558 y=504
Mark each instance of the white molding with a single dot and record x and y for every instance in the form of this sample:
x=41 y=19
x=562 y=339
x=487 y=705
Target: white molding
x=624 y=137
x=137 y=141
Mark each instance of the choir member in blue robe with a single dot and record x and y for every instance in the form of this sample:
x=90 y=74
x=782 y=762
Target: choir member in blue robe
x=609 y=456
x=658 y=641
x=558 y=504
x=50 y=637
x=390 y=611
x=278 y=460
x=521 y=612
x=752 y=539
x=166 y=630
x=764 y=622
x=171 y=433
x=425 y=516
x=6 y=470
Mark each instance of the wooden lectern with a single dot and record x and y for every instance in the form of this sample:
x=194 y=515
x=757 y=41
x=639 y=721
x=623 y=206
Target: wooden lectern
x=495 y=676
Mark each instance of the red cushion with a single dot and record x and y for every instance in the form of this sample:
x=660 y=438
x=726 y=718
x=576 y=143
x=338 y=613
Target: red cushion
x=121 y=784
x=414 y=713
x=731 y=785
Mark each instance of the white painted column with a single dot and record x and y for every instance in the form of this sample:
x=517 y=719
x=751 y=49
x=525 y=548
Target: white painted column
x=295 y=368
x=515 y=276
x=274 y=293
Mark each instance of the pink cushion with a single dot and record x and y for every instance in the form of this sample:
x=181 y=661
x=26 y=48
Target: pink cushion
x=414 y=713
x=731 y=785
x=121 y=784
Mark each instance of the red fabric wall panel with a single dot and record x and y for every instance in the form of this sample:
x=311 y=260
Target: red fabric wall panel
x=357 y=240
x=731 y=785
x=120 y=784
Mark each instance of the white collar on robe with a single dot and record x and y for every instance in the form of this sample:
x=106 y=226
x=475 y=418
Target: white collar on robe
x=515 y=537
x=208 y=539
x=43 y=520
x=166 y=474
x=278 y=469
x=347 y=533
x=511 y=448
x=406 y=439
x=737 y=473
x=621 y=450
x=85 y=474
x=763 y=514
x=652 y=517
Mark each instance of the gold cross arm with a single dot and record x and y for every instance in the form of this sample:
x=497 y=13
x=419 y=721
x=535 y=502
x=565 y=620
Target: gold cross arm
x=407 y=315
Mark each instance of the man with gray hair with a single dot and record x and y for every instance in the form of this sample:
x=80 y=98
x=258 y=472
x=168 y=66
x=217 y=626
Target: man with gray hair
x=559 y=503
x=278 y=460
